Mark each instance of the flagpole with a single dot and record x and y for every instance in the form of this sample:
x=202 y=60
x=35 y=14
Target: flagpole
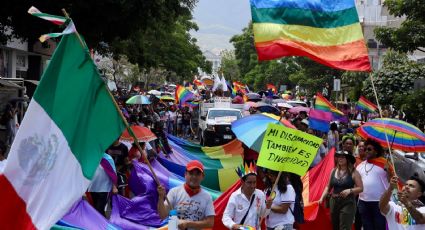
x=380 y=114
x=129 y=129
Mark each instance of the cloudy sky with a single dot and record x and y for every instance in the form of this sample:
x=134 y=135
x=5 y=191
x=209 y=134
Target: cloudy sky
x=218 y=21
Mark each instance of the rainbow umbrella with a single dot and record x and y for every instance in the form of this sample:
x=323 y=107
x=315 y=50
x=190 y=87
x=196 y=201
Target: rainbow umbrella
x=251 y=129
x=401 y=135
x=138 y=99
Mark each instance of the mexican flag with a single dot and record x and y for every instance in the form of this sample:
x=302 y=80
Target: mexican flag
x=69 y=124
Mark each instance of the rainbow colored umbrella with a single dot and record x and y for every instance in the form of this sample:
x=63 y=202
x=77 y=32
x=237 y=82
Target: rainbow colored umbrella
x=250 y=129
x=138 y=99
x=401 y=135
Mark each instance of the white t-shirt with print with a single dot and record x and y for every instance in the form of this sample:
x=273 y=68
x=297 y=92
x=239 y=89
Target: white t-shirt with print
x=275 y=219
x=398 y=218
x=193 y=208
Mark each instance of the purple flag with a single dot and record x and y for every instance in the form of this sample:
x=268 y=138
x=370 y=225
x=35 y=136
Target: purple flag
x=84 y=216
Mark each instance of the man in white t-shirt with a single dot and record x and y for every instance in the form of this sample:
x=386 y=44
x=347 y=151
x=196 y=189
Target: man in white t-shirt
x=194 y=206
x=411 y=213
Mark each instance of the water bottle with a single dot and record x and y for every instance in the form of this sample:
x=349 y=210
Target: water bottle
x=173 y=220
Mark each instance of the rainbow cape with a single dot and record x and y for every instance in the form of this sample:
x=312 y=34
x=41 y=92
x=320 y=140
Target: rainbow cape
x=182 y=94
x=366 y=105
x=328 y=32
x=323 y=104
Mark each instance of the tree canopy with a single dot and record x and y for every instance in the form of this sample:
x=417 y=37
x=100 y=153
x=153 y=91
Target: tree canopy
x=396 y=76
x=410 y=36
x=99 y=21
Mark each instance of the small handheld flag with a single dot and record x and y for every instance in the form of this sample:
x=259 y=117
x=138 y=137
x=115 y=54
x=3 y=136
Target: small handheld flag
x=366 y=105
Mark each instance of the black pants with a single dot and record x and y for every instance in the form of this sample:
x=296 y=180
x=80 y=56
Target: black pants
x=100 y=199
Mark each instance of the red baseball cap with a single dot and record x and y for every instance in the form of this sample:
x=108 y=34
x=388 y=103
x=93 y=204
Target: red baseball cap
x=195 y=164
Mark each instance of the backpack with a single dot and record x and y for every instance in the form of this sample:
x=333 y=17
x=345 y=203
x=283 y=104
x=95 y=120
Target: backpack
x=298 y=211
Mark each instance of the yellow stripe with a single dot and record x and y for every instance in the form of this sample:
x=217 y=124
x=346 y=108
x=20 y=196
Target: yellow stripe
x=264 y=32
x=227 y=177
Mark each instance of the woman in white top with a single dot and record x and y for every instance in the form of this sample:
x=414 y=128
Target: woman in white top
x=283 y=196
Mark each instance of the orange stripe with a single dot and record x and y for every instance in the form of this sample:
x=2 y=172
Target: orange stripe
x=343 y=52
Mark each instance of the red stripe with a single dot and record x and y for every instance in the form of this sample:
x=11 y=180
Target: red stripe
x=368 y=103
x=277 y=50
x=13 y=214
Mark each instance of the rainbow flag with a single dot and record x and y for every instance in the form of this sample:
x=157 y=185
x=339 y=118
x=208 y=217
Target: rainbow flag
x=182 y=94
x=238 y=86
x=366 y=105
x=272 y=87
x=314 y=182
x=220 y=162
x=192 y=104
x=197 y=82
x=323 y=104
x=328 y=32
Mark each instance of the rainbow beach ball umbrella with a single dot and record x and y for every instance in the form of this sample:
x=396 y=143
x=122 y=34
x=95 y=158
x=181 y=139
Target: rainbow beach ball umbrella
x=401 y=135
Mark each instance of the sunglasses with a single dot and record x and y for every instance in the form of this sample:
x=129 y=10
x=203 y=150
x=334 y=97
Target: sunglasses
x=369 y=149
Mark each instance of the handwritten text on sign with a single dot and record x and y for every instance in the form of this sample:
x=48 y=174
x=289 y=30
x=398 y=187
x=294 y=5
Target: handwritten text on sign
x=286 y=149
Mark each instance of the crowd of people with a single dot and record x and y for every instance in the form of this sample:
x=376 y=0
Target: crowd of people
x=359 y=192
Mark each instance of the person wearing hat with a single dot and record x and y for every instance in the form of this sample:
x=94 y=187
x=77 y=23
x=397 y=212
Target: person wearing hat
x=194 y=206
x=344 y=184
x=409 y=213
x=247 y=205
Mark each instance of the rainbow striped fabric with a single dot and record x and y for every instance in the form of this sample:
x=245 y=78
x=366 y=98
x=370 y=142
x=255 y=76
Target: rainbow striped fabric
x=238 y=86
x=220 y=162
x=182 y=94
x=323 y=104
x=366 y=105
x=328 y=32
x=197 y=82
x=272 y=87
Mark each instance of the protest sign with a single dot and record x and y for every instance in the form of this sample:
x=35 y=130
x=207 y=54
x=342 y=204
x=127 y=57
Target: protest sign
x=286 y=149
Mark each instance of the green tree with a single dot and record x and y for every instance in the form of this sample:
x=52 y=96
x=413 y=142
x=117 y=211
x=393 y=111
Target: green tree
x=396 y=76
x=229 y=65
x=313 y=76
x=410 y=36
x=172 y=49
x=245 y=53
x=413 y=105
x=354 y=81
x=99 y=21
